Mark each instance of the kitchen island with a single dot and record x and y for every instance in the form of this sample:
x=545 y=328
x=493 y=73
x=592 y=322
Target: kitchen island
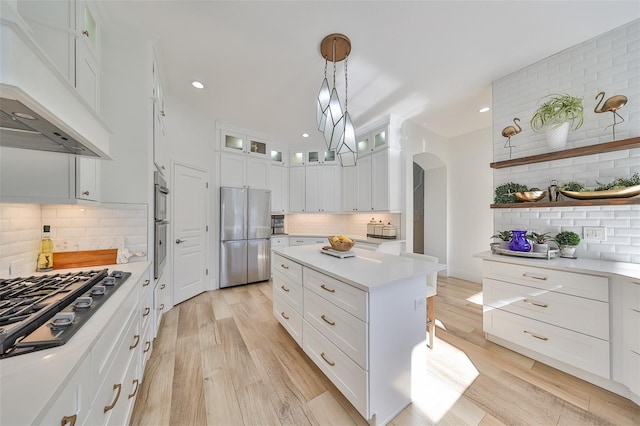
x=360 y=319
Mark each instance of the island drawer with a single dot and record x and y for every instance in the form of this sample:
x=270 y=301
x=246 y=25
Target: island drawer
x=288 y=267
x=345 y=374
x=574 y=313
x=343 y=329
x=289 y=290
x=576 y=349
x=345 y=296
x=288 y=317
x=575 y=284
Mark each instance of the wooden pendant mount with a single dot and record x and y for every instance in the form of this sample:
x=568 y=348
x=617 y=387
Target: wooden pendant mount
x=343 y=47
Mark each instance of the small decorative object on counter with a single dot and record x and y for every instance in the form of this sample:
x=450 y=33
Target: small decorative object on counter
x=377 y=229
x=510 y=131
x=504 y=237
x=371 y=227
x=341 y=242
x=613 y=104
x=567 y=241
x=45 y=257
x=389 y=231
x=553 y=190
x=539 y=241
x=518 y=241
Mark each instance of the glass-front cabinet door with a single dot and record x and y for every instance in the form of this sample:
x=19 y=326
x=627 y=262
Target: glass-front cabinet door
x=257 y=146
x=372 y=141
x=233 y=142
x=318 y=156
x=297 y=158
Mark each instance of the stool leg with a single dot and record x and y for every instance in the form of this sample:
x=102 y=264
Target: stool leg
x=431 y=319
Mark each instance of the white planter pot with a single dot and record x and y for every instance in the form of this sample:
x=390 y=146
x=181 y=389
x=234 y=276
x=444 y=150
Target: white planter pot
x=504 y=245
x=540 y=248
x=557 y=137
x=567 y=251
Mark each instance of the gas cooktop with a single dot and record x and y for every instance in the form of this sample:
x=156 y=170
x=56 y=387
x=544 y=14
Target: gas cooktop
x=41 y=312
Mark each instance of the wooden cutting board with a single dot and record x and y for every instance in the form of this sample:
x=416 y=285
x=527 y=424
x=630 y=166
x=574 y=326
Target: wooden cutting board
x=77 y=259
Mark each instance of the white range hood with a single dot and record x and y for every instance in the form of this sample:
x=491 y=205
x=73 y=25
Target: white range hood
x=39 y=108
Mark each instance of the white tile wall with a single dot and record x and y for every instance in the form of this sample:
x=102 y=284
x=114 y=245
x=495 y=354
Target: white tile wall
x=73 y=228
x=334 y=224
x=609 y=63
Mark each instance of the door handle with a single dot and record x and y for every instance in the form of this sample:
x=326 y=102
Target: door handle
x=178 y=241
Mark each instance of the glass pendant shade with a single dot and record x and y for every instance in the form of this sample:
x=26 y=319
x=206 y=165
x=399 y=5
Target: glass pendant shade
x=323 y=103
x=347 y=150
x=334 y=128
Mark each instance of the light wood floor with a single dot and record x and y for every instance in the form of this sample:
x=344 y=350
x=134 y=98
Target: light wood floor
x=222 y=358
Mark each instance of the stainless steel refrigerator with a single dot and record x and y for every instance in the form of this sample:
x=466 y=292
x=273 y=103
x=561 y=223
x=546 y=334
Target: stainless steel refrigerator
x=245 y=232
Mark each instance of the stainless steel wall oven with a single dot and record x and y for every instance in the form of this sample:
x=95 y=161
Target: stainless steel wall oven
x=161 y=195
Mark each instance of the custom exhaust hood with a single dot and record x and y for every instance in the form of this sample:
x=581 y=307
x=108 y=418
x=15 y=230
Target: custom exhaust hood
x=27 y=125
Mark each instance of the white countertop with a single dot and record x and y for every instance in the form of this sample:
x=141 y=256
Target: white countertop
x=366 y=271
x=357 y=238
x=31 y=382
x=589 y=266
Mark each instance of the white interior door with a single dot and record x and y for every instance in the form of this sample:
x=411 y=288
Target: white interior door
x=190 y=232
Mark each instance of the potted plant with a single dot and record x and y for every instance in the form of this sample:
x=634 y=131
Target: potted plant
x=504 y=237
x=567 y=241
x=540 y=244
x=556 y=116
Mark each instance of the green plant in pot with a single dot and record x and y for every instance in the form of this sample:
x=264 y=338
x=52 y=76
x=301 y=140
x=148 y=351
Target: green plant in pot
x=556 y=116
x=504 y=237
x=567 y=242
x=540 y=241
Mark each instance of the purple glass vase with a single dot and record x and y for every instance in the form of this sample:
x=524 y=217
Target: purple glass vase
x=519 y=241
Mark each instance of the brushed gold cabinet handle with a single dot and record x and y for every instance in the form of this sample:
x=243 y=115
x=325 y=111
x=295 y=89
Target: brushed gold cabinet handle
x=284 y=315
x=542 y=305
x=528 y=333
x=330 y=290
x=147 y=346
x=284 y=288
x=117 y=387
x=284 y=266
x=68 y=420
x=534 y=277
x=326 y=360
x=146 y=311
x=146 y=283
x=162 y=286
x=162 y=306
x=135 y=391
x=137 y=337
x=85 y=193
x=86 y=33
x=326 y=320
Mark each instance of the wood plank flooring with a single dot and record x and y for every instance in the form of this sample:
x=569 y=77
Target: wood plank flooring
x=222 y=358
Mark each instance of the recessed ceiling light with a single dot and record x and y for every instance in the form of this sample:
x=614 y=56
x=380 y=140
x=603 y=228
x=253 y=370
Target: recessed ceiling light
x=305 y=135
x=197 y=85
x=484 y=109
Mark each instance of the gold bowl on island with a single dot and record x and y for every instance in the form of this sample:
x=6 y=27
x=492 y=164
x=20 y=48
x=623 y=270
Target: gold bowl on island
x=341 y=243
x=530 y=195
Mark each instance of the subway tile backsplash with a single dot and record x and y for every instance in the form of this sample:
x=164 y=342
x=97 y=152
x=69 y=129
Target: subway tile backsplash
x=334 y=224
x=609 y=63
x=73 y=228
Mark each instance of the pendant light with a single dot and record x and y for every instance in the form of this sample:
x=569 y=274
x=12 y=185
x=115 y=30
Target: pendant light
x=347 y=148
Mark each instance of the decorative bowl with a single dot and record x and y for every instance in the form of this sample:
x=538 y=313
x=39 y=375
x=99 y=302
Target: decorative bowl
x=626 y=192
x=530 y=195
x=341 y=245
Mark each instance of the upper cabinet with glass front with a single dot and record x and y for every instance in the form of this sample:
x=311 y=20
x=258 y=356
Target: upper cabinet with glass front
x=244 y=144
x=377 y=136
x=312 y=157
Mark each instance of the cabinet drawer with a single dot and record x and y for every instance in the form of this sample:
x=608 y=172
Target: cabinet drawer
x=288 y=317
x=574 y=313
x=576 y=349
x=343 y=329
x=343 y=295
x=631 y=363
x=288 y=267
x=279 y=241
x=631 y=292
x=583 y=285
x=289 y=290
x=348 y=377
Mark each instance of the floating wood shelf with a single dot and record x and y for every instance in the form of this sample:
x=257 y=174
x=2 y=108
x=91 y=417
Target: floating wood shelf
x=568 y=153
x=571 y=203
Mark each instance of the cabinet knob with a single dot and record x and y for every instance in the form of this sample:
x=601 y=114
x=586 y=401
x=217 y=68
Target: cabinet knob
x=162 y=286
x=85 y=32
x=85 y=193
x=117 y=387
x=162 y=113
x=146 y=283
x=135 y=391
x=178 y=241
x=137 y=339
x=68 y=420
x=162 y=306
x=146 y=311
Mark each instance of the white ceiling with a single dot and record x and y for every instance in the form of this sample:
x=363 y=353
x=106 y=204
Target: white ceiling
x=431 y=62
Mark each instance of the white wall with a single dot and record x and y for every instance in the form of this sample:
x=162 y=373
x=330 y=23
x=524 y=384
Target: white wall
x=435 y=213
x=470 y=193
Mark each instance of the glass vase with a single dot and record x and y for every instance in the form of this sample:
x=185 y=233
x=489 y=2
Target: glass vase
x=519 y=241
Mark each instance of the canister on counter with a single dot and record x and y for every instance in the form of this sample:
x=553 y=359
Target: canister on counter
x=389 y=231
x=371 y=228
x=377 y=229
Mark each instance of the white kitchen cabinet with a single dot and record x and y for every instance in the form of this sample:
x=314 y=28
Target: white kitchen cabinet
x=241 y=171
x=322 y=189
x=315 y=157
x=147 y=331
x=240 y=143
x=364 y=185
x=279 y=156
x=28 y=176
x=279 y=185
x=159 y=133
x=349 y=183
x=304 y=241
x=297 y=187
x=275 y=243
x=631 y=336
x=68 y=32
x=372 y=141
x=161 y=303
